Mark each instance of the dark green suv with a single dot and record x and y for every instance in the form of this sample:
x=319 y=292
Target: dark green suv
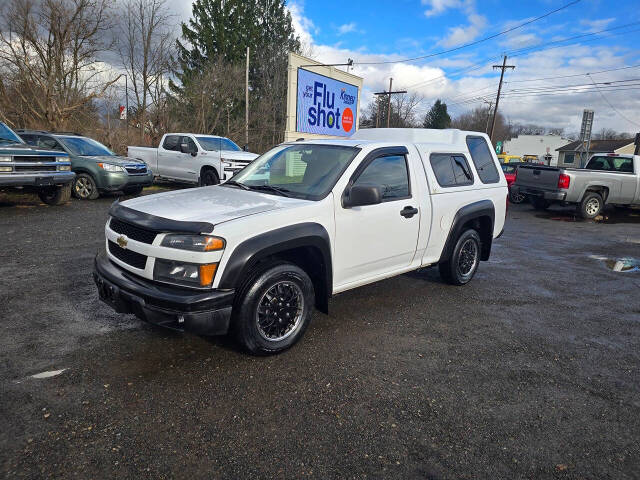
x=98 y=170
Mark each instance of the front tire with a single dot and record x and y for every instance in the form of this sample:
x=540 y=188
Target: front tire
x=55 y=195
x=209 y=177
x=273 y=309
x=84 y=187
x=591 y=205
x=463 y=263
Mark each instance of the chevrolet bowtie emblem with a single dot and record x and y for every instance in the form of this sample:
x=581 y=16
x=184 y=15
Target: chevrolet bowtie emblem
x=122 y=241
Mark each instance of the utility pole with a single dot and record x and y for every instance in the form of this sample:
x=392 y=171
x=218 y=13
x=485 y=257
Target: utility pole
x=126 y=101
x=246 y=104
x=502 y=68
x=389 y=93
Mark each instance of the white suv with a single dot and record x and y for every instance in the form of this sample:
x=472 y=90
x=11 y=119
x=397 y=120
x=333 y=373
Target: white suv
x=304 y=221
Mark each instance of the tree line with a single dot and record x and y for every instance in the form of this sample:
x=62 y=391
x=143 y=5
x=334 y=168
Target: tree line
x=64 y=65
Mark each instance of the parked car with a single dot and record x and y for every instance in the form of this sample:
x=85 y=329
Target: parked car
x=193 y=158
x=303 y=222
x=510 y=171
x=98 y=170
x=45 y=172
x=608 y=178
x=505 y=158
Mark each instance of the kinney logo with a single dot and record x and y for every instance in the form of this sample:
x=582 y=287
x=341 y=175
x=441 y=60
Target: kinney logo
x=346 y=98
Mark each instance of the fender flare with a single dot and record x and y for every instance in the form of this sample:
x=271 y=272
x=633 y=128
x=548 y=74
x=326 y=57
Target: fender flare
x=476 y=210
x=255 y=249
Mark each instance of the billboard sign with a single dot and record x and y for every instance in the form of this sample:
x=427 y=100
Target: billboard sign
x=325 y=106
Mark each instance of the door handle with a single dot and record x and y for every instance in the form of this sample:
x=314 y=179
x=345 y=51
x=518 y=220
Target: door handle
x=408 y=212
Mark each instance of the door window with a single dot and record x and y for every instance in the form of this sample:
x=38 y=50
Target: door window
x=50 y=143
x=451 y=170
x=390 y=173
x=483 y=160
x=171 y=142
x=190 y=143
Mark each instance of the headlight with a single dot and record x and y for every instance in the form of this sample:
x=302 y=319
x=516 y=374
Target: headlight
x=226 y=164
x=110 y=167
x=5 y=159
x=187 y=274
x=62 y=159
x=195 y=243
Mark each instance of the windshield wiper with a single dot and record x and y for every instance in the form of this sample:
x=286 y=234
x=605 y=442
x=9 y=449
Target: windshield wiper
x=279 y=190
x=233 y=183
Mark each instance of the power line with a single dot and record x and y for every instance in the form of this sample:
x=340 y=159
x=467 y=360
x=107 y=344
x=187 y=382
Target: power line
x=422 y=57
x=609 y=103
x=536 y=48
x=574 y=75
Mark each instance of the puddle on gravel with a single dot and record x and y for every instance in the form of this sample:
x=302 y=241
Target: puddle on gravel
x=624 y=265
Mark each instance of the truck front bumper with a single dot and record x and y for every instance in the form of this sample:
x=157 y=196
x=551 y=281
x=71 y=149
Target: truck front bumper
x=202 y=312
x=114 y=181
x=44 y=179
x=551 y=195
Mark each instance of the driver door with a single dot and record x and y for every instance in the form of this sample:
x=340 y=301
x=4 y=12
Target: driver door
x=373 y=240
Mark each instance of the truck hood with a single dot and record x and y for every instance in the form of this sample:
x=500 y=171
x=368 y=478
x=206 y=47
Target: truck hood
x=24 y=149
x=214 y=204
x=229 y=155
x=115 y=159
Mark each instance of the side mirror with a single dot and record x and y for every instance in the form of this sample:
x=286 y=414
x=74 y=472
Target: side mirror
x=360 y=195
x=245 y=148
x=184 y=148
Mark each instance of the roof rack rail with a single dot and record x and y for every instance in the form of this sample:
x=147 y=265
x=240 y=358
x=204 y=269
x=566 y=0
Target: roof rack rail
x=68 y=133
x=30 y=130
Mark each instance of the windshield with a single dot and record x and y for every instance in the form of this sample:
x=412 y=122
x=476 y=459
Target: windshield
x=217 y=143
x=85 y=147
x=7 y=135
x=306 y=171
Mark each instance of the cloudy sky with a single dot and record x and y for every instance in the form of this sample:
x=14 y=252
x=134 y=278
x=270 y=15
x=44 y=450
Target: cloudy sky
x=552 y=55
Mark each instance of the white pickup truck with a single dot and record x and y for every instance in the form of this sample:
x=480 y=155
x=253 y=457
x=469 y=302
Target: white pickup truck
x=303 y=222
x=193 y=158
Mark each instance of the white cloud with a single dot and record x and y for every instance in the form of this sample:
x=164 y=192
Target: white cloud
x=439 y=6
x=597 y=25
x=464 y=34
x=347 y=28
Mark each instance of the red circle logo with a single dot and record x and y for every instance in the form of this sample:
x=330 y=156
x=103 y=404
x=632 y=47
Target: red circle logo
x=347 y=119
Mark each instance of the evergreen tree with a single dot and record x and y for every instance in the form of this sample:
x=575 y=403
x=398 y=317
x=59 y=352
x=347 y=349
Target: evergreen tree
x=437 y=116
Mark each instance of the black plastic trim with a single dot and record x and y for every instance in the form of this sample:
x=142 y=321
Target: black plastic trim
x=467 y=213
x=247 y=255
x=157 y=224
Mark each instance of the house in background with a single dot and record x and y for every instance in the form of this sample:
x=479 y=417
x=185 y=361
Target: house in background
x=572 y=155
x=543 y=146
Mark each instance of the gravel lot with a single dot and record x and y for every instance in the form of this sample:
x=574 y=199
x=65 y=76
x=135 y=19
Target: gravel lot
x=531 y=371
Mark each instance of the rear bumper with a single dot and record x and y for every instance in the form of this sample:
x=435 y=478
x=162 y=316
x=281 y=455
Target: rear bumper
x=43 y=179
x=551 y=195
x=204 y=313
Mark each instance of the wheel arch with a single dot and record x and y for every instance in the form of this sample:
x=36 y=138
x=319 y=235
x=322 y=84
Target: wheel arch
x=479 y=216
x=206 y=167
x=602 y=190
x=306 y=245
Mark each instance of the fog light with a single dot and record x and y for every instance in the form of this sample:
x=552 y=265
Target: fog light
x=6 y=169
x=64 y=168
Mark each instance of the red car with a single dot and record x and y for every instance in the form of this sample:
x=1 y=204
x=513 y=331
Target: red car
x=510 y=173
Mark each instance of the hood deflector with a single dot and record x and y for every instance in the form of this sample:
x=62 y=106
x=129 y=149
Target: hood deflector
x=157 y=224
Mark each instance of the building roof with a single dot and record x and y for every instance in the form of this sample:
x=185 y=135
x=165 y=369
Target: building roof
x=596 y=145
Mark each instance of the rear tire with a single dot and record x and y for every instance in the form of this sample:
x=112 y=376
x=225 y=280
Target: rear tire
x=273 y=309
x=591 y=205
x=463 y=263
x=540 y=203
x=209 y=177
x=55 y=195
x=84 y=187
x=516 y=198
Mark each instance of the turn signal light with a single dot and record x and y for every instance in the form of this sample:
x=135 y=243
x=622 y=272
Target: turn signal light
x=564 y=180
x=213 y=243
x=207 y=272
